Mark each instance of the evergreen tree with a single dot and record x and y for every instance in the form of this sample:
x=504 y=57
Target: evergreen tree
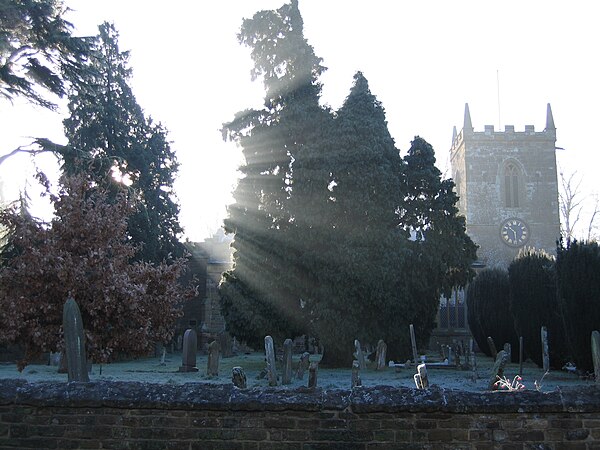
x=111 y=140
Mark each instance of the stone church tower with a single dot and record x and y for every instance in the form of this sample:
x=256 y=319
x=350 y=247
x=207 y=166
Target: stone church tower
x=508 y=188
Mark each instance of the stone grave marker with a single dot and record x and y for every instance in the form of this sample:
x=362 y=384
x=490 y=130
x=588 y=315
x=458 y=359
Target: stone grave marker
x=421 y=379
x=545 y=351
x=596 y=354
x=380 y=355
x=492 y=347
x=473 y=360
x=498 y=370
x=77 y=367
x=508 y=350
x=356 y=381
x=286 y=378
x=521 y=355
x=190 y=348
x=303 y=365
x=238 y=377
x=225 y=344
x=360 y=356
x=214 y=353
x=312 y=374
x=413 y=342
x=270 y=354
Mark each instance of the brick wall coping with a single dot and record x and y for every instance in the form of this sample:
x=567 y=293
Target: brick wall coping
x=376 y=399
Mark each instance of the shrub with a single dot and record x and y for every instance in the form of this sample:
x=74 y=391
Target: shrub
x=488 y=311
x=533 y=304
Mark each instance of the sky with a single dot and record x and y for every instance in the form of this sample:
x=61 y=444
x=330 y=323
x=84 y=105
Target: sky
x=423 y=60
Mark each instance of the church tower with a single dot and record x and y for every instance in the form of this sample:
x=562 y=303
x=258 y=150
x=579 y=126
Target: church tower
x=508 y=188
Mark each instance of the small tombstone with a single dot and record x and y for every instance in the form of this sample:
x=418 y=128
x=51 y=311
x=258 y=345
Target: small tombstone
x=212 y=367
x=451 y=358
x=163 y=356
x=596 y=354
x=312 y=374
x=413 y=342
x=508 y=350
x=360 y=356
x=54 y=359
x=545 y=351
x=421 y=379
x=77 y=367
x=498 y=370
x=303 y=365
x=190 y=348
x=286 y=378
x=521 y=355
x=271 y=369
x=492 y=347
x=380 y=355
x=238 y=377
x=356 y=381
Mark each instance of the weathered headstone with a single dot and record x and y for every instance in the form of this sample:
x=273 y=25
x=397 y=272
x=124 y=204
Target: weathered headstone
x=77 y=367
x=380 y=355
x=596 y=354
x=270 y=355
x=163 y=356
x=521 y=355
x=545 y=350
x=498 y=370
x=214 y=353
x=413 y=342
x=356 y=381
x=286 y=377
x=360 y=356
x=492 y=347
x=508 y=350
x=303 y=365
x=421 y=379
x=312 y=375
x=190 y=348
x=238 y=377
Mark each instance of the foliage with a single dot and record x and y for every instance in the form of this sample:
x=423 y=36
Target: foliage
x=36 y=49
x=488 y=311
x=84 y=252
x=112 y=141
x=533 y=304
x=577 y=269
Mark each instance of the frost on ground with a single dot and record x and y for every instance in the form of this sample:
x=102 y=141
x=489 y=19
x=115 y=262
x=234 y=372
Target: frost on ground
x=150 y=370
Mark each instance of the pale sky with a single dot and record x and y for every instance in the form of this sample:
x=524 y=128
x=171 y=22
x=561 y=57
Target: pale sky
x=424 y=60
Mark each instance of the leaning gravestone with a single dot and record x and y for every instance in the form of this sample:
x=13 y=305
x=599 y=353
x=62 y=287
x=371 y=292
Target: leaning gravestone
x=498 y=370
x=238 y=377
x=286 y=378
x=492 y=347
x=360 y=356
x=312 y=375
x=214 y=351
x=421 y=379
x=74 y=342
x=190 y=348
x=303 y=365
x=380 y=355
x=596 y=354
x=413 y=343
x=270 y=354
x=356 y=381
x=508 y=350
x=545 y=351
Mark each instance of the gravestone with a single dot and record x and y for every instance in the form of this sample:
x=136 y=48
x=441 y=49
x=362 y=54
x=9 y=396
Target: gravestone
x=596 y=354
x=356 y=381
x=77 y=367
x=498 y=370
x=190 y=348
x=492 y=347
x=508 y=350
x=413 y=342
x=545 y=351
x=421 y=379
x=163 y=356
x=521 y=355
x=270 y=354
x=360 y=356
x=312 y=375
x=225 y=344
x=238 y=377
x=303 y=365
x=286 y=378
x=212 y=367
x=380 y=355
x=473 y=360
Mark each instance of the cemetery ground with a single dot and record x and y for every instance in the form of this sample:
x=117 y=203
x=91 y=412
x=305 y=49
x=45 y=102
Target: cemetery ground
x=150 y=370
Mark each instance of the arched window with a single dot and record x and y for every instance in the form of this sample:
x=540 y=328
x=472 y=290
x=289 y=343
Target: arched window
x=511 y=185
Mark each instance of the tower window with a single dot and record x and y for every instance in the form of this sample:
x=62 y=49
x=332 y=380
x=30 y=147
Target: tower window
x=511 y=186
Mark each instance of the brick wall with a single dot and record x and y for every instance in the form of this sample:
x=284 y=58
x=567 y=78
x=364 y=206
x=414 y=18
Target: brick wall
x=122 y=415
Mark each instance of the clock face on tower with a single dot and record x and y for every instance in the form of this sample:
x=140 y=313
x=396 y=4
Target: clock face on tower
x=514 y=232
